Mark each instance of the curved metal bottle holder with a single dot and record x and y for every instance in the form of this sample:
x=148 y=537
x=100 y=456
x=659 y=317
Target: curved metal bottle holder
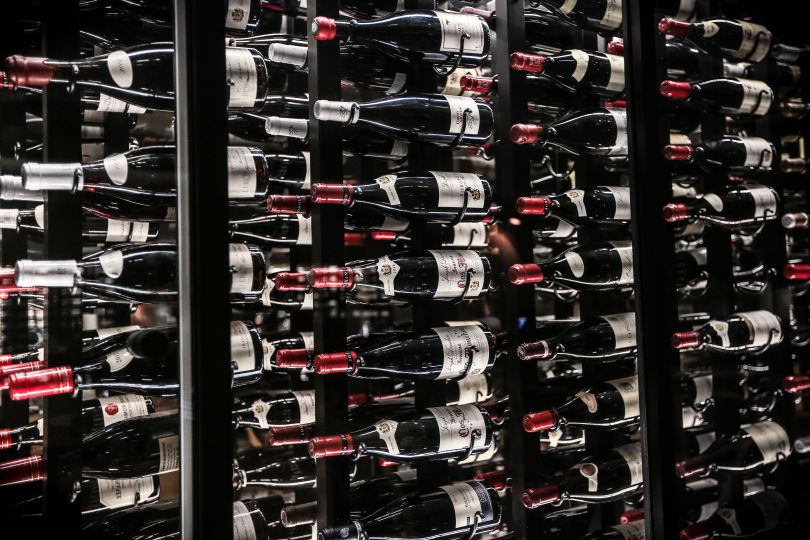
x=742 y=349
x=754 y=287
x=741 y=223
x=457 y=62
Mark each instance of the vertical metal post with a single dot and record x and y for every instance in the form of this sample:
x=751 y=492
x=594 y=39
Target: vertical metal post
x=202 y=217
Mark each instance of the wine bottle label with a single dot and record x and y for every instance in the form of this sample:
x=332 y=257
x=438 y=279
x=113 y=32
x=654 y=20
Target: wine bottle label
x=169 y=453
x=456 y=25
x=112 y=262
x=469 y=235
x=765 y=204
x=486 y=455
x=616 y=81
x=306 y=303
x=452 y=273
x=119 y=359
x=295 y=128
x=39 y=215
x=758 y=152
x=457 y=425
x=621 y=200
x=589 y=400
x=714 y=201
x=469 y=499
x=306 y=405
x=117 y=408
x=761 y=324
x=399 y=148
x=625 y=252
x=243 y=527
x=8 y=218
x=590 y=471
x=241 y=74
x=619 y=148
x=685 y=9
x=308 y=174
x=269 y=351
x=707 y=510
x=575 y=263
x=113 y=330
x=628 y=390
x=120 y=67
x=704 y=441
x=729 y=516
x=624 y=329
x=460 y=107
x=116 y=167
x=568 y=6
x=241 y=264
x=771 y=439
x=309 y=340
x=243 y=353
x=466 y=350
x=453 y=185
x=704 y=387
x=237 y=14
x=117 y=231
x=472 y=389
x=632 y=455
x=125 y=491
x=388 y=183
x=304 y=230
x=755 y=44
x=690 y=417
x=397 y=84
x=108 y=103
x=387 y=430
x=752 y=90
x=709 y=28
x=631 y=531
x=171 y=214
x=563 y=230
x=387 y=271
x=577 y=196
x=731 y=69
x=241 y=173
x=452 y=85
x=613 y=14
x=582 y=60
x=140 y=232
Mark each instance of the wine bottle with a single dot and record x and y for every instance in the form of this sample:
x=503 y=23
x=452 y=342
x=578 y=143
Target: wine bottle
x=296 y=298
x=547 y=100
x=446 y=512
x=542 y=27
x=273 y=230
x=598 y=337
x=733 y=207
x=289 y=351
x=279 y=467
x=415 y=35
x=600 y=16
x=434 y=118
x=753 y=516
x=425 y=196
x=276 y=408
x=262 y=519
x=633 y=530
x=12 y=189
x=733 y=97
x=750 y=448
x=729 y=38
x=612 y=476
x=438 y=433
x=434 y=274
x=737 y=155
x=739 y=332
x=598 y=266
x=598 y=73
x=595 y=205
x=600 y=133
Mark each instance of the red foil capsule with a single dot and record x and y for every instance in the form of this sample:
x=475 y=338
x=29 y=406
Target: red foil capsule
x=331 y=445
x=496 y=479
x=537 y=206
x=686 y=340
x=615 y=47
x=479 y=85
x=28 y=70
x=694 y=532
x=324 y=28
x=676 y=212
x=537 y=350
x=384 y=236
x=41 y=383
x=288 y=204
x=673 y=27
x=22 y=470
x=8 y=370
x=293 y=358
x=331 y=278
x=332 y=194
x=5 y=439
x=291 y=281
x=382 y=462
x=533 y=63
x=675 y=89
x=678 y=152
x=358 y=399
x=636 y=514
x=353 y=239
x=796 y=272
x=525 y=133
x=284 y=435
x=340 y=362
x=538 y=496
x=795 y=384
x=521 y=274
x=539 y=421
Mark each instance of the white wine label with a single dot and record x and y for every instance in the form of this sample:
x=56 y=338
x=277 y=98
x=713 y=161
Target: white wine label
x=465 y=348
x=452 y=86
x=628 y=390
x=241 y=268
x=576 y=263
x=117 y=231
x=756 y=42
x=125 y=491
x=582 y=59
x=387 y=429
x=472 y=389
x=39 y=215
x=685 y=9
x=140 y=232
x=577 y=196
x=169 y=453
x=452 y=266
x=241 y=74
x=452 y=186
x=306 y=304
x=260 y=409
x=466 y=502
x=281 y=53
x=295 y=128
x=765 y=204
x=463 y=323
x=269 y=350
x=457 y=424
x=590 y=471
x=399 y=148
x=589 y=400
x=304 y=230
x=624 y=329
x=721 y=329
x=112 y=262
x=454 y=26
x=469 y=235
x=616 y=82
x=120 y=66
x=308 y=174
x=8 y=218
x=714 y=201
x=704 y=440
x=171 y=214
x=117 y=408
x=625 y=252
x=388 y=184
x=460 y=107
x=709 y=28
x=631 y=531
x=621 y=198
x=620 y=146
x=568 y=6
x=387 y=271
x=731 y=69
x=241 y=173
x=704 y=387
x=762 y=323
x=690 y=417
x=237 y=14
x=613 y=14
x=309 y=340
x=681 y=191
x=632 y=455
x=398 y=83
x=117 y=168
x=306 y=405
x=707 y=510
x=110 y=104
x=564 y=229
x=771 y=439
x=112 y=330
x=243 y=353
x=751 y=95
x=243 y=528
